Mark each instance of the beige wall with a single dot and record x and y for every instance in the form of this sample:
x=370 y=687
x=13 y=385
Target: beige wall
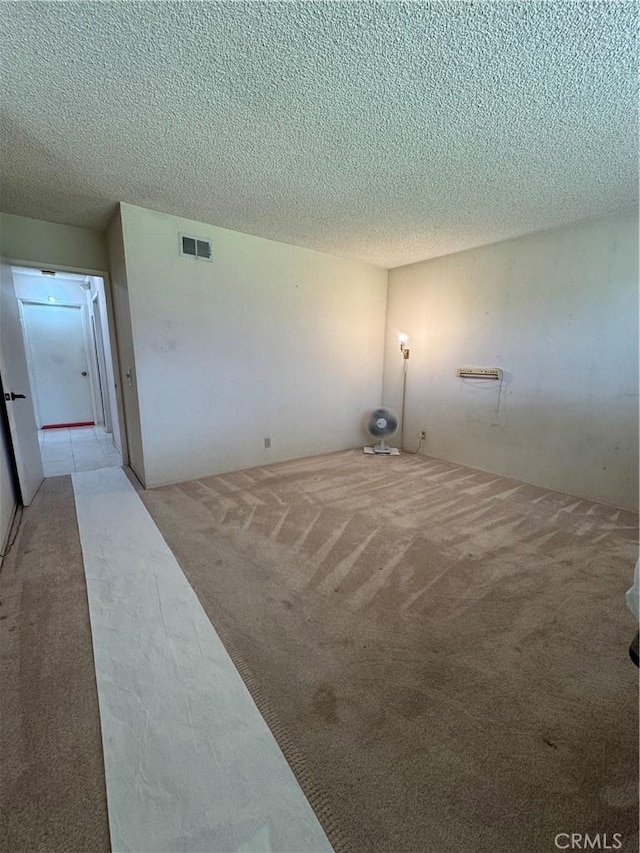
x=275 y=341
x=558 y=312
x=40 y=242
x=268 y=340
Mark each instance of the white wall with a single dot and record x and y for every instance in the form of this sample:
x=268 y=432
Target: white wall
x=268 y=340
x=558 y=312
x=26 y=239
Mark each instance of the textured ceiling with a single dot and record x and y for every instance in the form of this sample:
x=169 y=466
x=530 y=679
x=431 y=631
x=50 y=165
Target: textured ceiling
x=390 y=132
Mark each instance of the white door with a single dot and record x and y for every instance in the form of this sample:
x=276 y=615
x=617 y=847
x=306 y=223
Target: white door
x=17 y=392
x=59 y=363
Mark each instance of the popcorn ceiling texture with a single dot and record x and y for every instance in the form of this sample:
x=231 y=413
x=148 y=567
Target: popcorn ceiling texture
x=390 y=132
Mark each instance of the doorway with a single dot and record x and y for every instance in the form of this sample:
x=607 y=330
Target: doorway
x=58 y=364
x=67 y=342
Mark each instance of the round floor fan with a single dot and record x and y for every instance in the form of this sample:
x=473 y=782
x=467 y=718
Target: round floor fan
x=382 y=424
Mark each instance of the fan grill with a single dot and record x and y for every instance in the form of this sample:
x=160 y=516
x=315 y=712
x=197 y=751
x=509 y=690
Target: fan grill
x=381 y=423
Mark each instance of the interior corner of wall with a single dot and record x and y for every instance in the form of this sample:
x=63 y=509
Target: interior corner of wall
x=115 y=216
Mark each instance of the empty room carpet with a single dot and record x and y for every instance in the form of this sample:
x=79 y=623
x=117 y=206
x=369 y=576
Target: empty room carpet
x=190 y=765
x=441 y=652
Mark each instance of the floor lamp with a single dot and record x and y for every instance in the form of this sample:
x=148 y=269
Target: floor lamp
x=405 y=363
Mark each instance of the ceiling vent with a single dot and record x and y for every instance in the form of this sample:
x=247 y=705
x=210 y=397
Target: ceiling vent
x=195 y=247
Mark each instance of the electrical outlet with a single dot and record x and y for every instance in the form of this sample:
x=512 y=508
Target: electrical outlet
x=422 y=434
x=267 y=443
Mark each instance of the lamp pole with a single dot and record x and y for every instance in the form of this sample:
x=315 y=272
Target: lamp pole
x=405 y=358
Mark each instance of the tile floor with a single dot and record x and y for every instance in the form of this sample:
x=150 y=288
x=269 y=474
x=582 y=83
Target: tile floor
x=67 y=450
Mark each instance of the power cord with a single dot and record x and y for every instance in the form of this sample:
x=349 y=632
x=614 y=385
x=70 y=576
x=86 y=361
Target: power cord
x=15 y=535
x=13 y=538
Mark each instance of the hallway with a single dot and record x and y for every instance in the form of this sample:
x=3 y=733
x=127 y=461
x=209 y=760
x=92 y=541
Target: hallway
x=68 y=450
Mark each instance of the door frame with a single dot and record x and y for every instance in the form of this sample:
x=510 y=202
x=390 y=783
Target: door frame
x=98 y=344
x=113 y=333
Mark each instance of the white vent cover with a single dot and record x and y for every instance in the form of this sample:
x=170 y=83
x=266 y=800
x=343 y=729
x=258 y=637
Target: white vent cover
x=195 y=247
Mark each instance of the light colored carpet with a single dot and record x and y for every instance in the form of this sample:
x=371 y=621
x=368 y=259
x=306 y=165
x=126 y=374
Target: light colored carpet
x=441 y=652
x=52 y=794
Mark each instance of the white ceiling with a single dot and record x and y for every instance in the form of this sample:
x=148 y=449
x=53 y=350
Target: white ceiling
x=390 y=132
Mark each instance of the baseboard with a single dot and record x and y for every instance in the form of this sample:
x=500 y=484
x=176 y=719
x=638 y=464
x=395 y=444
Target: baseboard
x=63 y=426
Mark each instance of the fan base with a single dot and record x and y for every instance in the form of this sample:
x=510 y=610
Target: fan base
x=377 y=450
